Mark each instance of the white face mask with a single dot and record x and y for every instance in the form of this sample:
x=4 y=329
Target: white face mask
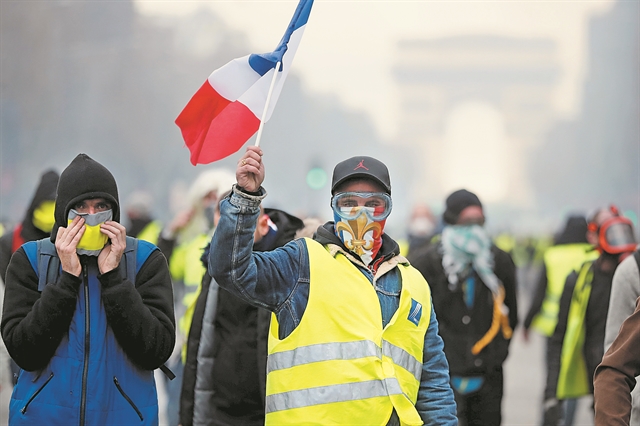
x=421 y=227
x=92 y=241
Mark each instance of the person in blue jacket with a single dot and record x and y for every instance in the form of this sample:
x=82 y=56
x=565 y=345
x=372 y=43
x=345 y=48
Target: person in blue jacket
x=354 y=338
x=88 y=339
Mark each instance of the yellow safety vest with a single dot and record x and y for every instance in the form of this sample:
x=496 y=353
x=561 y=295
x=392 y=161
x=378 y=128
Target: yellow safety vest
x=560 y=261
x=339 y=365
x=151 y=232
x=573 y=380
x=185 y=265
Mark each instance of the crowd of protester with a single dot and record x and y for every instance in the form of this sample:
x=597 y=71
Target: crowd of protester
x=215 y=298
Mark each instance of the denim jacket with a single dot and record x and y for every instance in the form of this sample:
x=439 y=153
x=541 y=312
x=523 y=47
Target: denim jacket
x=279 y=281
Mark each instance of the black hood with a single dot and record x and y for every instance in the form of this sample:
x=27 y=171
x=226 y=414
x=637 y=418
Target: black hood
x=326 y=235
x=82 y=179
x=287 y=225
x=575 y=231
x=46 y=191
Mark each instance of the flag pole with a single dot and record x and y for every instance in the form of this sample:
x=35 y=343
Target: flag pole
x=266 y=104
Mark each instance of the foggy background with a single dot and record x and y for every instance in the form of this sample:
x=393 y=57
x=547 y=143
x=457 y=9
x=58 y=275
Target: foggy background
x=470 y=108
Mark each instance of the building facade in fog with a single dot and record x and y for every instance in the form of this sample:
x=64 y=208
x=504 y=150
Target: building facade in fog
x=472 y=109
x=595 y=160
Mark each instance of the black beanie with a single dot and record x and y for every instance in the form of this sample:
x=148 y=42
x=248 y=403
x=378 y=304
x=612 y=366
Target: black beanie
x=458 y=201
x=84 y=178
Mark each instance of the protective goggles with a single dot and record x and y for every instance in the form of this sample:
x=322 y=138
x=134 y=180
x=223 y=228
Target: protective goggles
x=616 y=236
x=349 y=205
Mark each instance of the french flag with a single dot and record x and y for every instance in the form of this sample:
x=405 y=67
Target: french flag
x=225 y=112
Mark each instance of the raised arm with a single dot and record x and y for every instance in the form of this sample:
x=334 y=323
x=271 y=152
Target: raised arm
x=265 y=279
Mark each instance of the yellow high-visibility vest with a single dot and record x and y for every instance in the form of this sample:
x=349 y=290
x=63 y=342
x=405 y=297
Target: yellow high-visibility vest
x=185 y=265
x=339 y=365
x=150 y=232
x=560 y=261
x=573 y=380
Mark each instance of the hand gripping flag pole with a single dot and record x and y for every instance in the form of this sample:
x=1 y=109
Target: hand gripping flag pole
x=225 y=112
x=266 y=104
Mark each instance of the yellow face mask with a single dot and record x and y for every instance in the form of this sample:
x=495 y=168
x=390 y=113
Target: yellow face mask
x=43 y=217
x=92 y=241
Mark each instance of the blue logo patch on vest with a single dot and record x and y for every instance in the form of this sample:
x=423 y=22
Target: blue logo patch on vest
x=416 y=312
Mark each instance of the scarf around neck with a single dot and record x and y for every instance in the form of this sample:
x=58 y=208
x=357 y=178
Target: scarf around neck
x=468 y=247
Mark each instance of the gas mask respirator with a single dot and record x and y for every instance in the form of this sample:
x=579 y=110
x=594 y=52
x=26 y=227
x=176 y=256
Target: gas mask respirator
x=615 y=235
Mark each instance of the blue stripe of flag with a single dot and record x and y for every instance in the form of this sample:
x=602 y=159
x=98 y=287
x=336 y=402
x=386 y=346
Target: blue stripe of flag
x=262 y=63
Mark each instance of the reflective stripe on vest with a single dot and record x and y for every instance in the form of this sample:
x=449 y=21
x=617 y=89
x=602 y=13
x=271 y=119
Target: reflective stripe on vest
x=560 y=261
x=339 y=365
x=334 y=393
x=344 y=351
x=573 y=380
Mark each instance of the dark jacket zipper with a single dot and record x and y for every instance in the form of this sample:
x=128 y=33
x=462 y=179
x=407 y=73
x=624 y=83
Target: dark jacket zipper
x=87 y=325
x=115 y=380
x=24 y=409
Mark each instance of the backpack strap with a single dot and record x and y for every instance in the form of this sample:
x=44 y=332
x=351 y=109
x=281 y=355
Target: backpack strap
x=31 y=250
x=48 y=263
x=44 y=260
x=128 y=262
x=167 y=372
x=135 y=254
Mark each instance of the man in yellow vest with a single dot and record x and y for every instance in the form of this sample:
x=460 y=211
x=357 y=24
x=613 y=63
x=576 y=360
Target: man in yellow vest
x=353 y=338
x=570 y=250
x=577 y=344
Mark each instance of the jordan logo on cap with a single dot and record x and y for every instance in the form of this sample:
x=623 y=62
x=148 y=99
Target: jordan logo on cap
x=361 y=165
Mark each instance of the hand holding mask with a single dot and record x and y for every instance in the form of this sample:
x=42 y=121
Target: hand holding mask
x=92 y=241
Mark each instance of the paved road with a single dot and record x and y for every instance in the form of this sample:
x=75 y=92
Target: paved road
x=524 y=384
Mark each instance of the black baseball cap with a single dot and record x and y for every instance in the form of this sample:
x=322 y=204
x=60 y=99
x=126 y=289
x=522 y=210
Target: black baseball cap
x=361 y=167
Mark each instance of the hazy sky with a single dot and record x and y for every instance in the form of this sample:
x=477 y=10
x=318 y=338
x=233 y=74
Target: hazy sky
x=348 y=47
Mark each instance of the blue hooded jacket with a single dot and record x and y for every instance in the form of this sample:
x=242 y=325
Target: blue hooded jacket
x=87 y=346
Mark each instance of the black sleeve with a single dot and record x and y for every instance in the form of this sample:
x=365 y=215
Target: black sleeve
x=34 y=323
x=557 y=338
x=166 y=246
x=538 y=297
x=427 y=261
x=142 y=317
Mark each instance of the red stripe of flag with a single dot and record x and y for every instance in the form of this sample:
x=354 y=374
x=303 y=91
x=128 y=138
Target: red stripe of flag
x=214 y=127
